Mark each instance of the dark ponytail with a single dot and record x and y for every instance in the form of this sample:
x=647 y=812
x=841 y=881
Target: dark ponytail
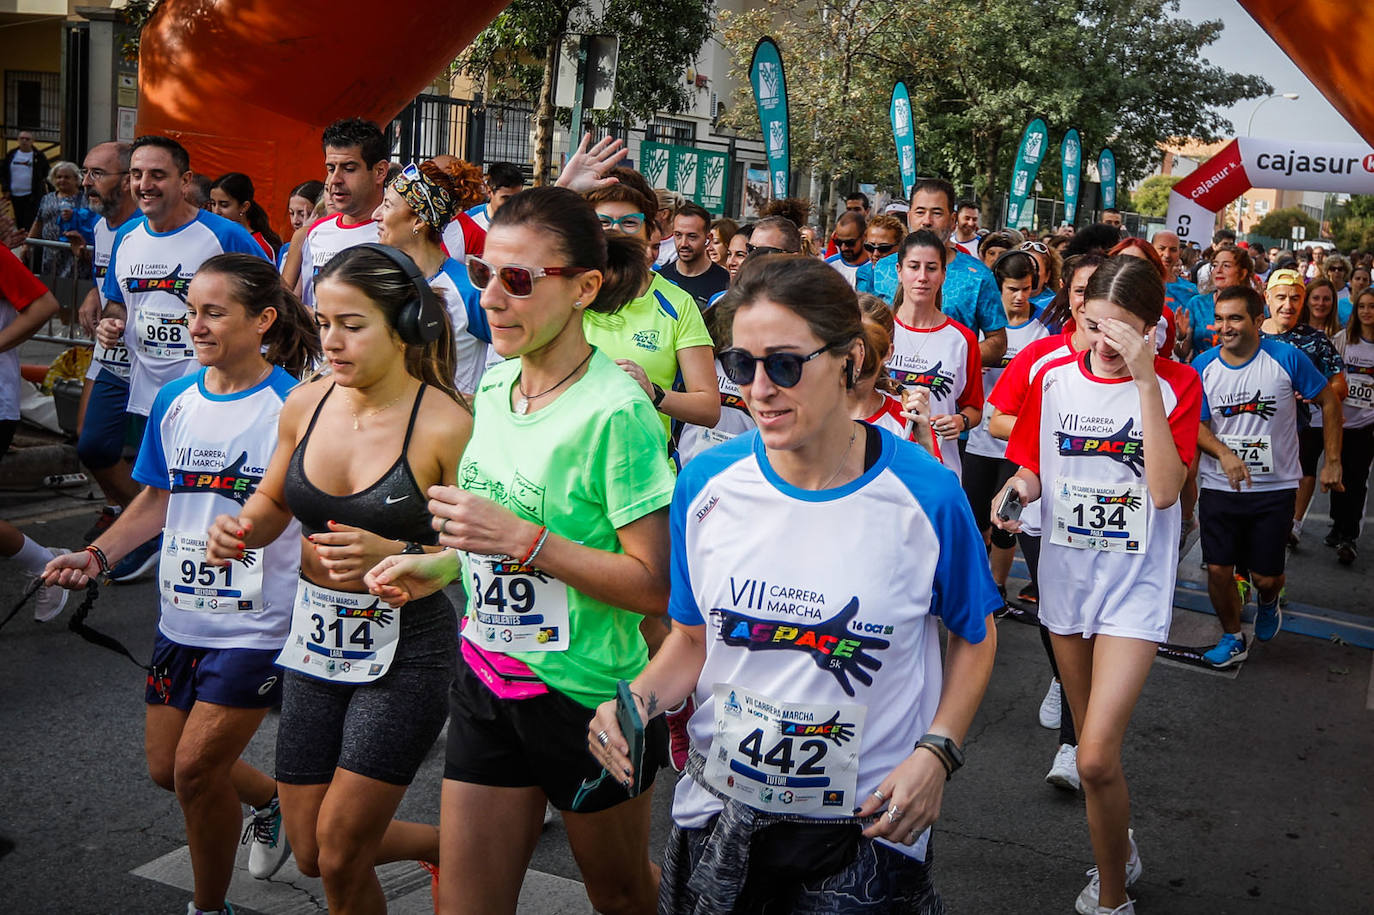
x=240 y=187
x=293 y=340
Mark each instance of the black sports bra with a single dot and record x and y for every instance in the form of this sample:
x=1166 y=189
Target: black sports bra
x=393 y=507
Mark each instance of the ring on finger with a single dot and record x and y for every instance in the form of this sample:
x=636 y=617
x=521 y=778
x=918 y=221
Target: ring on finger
x=894 y=813
x=877 y=792
x=443 y=527
x=603 y=738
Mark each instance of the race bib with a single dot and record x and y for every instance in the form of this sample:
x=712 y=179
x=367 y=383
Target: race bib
x=163 y=333
x=114 y=359
x=188 y=582
x=1361 y=393
x=515 y=607
x=340 y=636
x=785 y=757
x=1255 y=451
x=1100 y=516
x=712 y=437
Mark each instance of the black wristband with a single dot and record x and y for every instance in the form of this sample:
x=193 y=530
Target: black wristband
x=100 y=558
x=659 y=394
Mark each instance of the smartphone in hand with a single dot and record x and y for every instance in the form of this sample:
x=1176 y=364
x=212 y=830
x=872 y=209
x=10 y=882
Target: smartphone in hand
x=632 y=727
x=1011 y=506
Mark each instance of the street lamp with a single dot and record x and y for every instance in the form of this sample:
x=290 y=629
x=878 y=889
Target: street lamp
x=1291 y=96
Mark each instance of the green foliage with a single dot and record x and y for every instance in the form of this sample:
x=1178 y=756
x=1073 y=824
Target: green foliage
x=1280 y=223
x=1152 y=197
x=658 y=42
x=136 y=14
x=1352 y=225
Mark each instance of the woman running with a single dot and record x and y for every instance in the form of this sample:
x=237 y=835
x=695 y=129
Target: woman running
x=1356 y=346
x=560 y=515
x=300 y=209
x=414 y=210
x=932 y=351
x=1107 y=437
x=208 y=438
x=1196 y=321
x=364 y=687
x=231 y=196
x=822 y=758
x=875 y=397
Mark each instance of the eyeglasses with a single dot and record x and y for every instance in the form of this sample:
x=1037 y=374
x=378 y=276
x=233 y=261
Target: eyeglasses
x=846 y=242
x=761 y=249
x=784 y=369
x=99 y=174
x=630 y=223
x=1037 y=247
x=516 y=279
x=872 y=248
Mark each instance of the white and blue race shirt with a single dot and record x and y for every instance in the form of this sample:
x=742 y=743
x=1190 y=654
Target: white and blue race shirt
x=210 y=451
x=115 y=360
x=326 y=238
x=846 y=269
x=149 y=274
x=1358 y=407
x=479 y=215
x=1252 y=409
x=735 y=419
x=471 y=332
x=795 y=615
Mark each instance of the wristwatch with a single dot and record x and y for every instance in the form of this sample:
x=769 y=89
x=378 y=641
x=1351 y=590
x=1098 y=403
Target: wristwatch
x=411 y=548
x=658 y=394
x=945 y=750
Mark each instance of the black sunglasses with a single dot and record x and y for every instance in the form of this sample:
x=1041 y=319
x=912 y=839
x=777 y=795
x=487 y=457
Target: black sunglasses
x=784 y=369
x=761 y=249
x=872 y=248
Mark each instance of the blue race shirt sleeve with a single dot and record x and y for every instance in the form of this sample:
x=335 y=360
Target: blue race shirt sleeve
x=233 y=238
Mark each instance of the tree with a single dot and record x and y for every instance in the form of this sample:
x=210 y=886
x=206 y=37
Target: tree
x=516 y=57
x=1352 y=225
x=1152 y=197
x=1280 y=223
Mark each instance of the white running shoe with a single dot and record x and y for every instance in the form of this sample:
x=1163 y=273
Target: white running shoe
x=270 y=849
x=1126 y=908
x=1049 y=706
x=48 y=602
x=1086 y=904
x=1064 y=771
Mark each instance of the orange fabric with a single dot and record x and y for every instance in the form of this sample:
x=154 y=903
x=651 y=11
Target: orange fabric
x=1319 y=37
x=248 y=85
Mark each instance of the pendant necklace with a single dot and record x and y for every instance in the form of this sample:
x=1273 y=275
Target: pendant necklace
x=522 y=404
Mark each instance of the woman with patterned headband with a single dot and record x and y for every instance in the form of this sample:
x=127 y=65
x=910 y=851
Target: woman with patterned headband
x=416 y=208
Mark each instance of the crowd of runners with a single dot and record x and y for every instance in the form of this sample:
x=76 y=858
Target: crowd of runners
x=706 y=492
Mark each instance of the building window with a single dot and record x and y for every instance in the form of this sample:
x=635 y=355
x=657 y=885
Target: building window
x=671 y=130
x=33 y=102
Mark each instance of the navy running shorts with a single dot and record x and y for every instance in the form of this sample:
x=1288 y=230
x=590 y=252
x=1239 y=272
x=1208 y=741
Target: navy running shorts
x=1248 y=530
x=233 y=677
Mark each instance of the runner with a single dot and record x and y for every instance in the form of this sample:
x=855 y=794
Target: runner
x=363 y=696
x=849 y=254
x=414 y=210
x=659 y=337
x=1287 y=307
x=299 y=209
x=693 y=270
x=219 y=630
x=932 y=351
x=1196 y=323
x=561 y=520
x=1107 y=575
x=1249 y=471
x=1165 y=329
x=503 y=181
x=881 y=241
x=152 y=261
x=232 y=197
x=986 y=469
x=888 y=723
x=355 y=166
x=1356 y=345
x=25 y=306
x=100 y=443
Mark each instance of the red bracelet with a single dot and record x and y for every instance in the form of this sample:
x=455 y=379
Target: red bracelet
x=102 y=563
x=538 y=542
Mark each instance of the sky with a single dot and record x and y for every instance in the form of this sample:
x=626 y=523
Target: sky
x=1244 y=47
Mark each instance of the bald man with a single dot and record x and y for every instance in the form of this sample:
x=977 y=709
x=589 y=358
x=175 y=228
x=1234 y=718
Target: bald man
x=1177 y=291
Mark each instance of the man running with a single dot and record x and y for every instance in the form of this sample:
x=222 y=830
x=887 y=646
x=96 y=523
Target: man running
x=1249 y=471
x=694 y=270
x=849 y=255
x=504 y=181
x=966 y=226
x=355 y=164
x=969 y=294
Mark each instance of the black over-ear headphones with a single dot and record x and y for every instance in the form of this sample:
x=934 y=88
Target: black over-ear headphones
x=420 y=319
x=1030 y=258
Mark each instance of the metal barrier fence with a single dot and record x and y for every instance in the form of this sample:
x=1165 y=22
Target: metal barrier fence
x=63 y=328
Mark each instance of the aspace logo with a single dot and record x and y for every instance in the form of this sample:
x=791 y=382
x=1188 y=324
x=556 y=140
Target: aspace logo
x=1125 y=498
x=1257 y=405
x=1120 y=446
x=172 y=283
x=373 y=613
x=937 y=382
x=831 y=645
x=836 y=731
x=233 y=482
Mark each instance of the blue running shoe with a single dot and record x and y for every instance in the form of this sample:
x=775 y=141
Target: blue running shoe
x=1229 y=652
x=1267 y=621
x=138 y=563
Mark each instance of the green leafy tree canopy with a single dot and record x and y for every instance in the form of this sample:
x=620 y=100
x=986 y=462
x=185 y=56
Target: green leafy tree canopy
x=1280 y=223
x=1152 y=197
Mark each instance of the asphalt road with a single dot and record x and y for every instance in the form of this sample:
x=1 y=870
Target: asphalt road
x=1252 y=793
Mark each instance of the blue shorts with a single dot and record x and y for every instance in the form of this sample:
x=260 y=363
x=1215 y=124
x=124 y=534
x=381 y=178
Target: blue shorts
x=232 y=677
x=103 y=428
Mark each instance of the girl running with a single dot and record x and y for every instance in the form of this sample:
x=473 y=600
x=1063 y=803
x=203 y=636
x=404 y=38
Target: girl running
x=300 y=207
x=826 y=753
x=875 y=397
x=208 y=438
x=1107 y=437
x=365 y=681
x=560 y=517
x=231 y=196
x=1356 y=345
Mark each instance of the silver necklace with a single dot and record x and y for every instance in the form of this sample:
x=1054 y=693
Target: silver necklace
x=854 y=428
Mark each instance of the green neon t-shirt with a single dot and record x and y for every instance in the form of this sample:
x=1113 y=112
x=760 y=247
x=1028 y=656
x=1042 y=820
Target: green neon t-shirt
x=584 y=465
x=650 y=330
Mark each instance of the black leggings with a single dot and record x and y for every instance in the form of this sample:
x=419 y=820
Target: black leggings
x=1347 y=508
x=1030 y=549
